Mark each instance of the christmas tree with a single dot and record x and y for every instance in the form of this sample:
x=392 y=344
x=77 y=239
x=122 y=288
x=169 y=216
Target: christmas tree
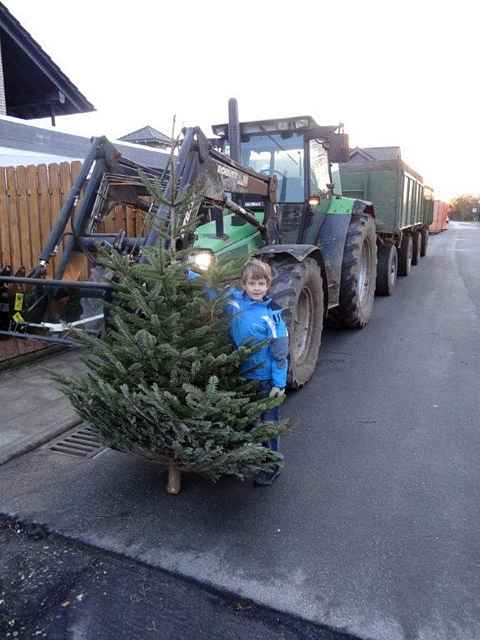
x=164 y=379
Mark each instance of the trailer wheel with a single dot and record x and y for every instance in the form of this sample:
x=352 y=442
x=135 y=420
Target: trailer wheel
x=424 y=247
x=405 y=255
x=387 y=266
x=359 y=274
x=298 y=288
x=417 y=247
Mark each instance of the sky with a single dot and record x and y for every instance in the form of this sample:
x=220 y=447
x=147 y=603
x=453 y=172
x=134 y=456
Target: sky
x=395 y=73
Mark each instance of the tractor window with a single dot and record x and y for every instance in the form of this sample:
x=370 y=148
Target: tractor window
x=337 y=180
x=319 y=170
x=274 y=154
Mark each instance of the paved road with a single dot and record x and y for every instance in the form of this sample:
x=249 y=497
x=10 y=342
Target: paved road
x=373 y=527
x=56 y=589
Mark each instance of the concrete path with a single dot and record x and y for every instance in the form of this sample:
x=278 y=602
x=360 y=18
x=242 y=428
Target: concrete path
x=32 y=409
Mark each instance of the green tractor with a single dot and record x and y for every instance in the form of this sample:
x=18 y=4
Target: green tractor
x=324 y=253
x=267 y=188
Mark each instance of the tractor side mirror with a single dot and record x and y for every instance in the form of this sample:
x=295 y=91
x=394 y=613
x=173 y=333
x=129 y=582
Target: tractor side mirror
x=338 y=147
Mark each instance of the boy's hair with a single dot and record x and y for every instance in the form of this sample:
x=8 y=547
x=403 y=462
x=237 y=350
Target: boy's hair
x=255 y=269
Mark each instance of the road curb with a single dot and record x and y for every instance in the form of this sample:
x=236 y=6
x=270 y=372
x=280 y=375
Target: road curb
x=32 y=357
x=301 y=627
x=30 y=442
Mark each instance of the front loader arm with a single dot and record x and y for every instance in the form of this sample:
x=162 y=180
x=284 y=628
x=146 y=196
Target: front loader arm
x=106 y=180
x=214 y=176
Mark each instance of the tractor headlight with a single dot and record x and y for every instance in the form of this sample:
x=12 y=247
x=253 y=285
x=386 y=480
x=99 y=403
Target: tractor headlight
x=202 y=260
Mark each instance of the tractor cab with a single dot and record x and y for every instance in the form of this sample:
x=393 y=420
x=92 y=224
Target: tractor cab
x=300 y=153
x=297 y=150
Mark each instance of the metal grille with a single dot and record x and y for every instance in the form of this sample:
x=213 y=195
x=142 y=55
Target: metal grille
x=83 y=442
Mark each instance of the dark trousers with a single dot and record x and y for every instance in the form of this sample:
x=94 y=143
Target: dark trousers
x=271 y=415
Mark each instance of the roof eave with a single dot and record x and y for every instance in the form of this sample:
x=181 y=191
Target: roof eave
x=43 y=61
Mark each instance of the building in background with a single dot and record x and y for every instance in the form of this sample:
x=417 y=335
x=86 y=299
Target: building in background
x=24 y=144
x=375 y=154
x=149 y=137
x=31 y=84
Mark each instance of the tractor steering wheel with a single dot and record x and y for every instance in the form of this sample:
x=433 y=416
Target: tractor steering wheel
x=272 y=171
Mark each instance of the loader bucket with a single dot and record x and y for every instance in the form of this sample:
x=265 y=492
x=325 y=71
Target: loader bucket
x=48 y=310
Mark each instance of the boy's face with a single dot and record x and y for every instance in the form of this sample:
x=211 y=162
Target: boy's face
x=256 y=289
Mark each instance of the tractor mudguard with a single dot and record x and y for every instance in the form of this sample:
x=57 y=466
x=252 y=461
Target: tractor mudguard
x=331 y=240
x=299 y=252
x=332 y=235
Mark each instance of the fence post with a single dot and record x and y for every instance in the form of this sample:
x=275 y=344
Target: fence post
x=13 y=217
x=23 y=221
x=44 y=210
x=6 y=252
x=33 y=215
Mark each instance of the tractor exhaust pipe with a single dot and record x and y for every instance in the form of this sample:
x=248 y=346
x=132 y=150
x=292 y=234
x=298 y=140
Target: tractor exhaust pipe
x=235 y=153
x=234 y=129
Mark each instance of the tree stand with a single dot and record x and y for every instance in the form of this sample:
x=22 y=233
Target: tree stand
x=174 y=484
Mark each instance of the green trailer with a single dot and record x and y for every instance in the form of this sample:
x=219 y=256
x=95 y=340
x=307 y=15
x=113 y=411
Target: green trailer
x=402 y=204
x=428 y=202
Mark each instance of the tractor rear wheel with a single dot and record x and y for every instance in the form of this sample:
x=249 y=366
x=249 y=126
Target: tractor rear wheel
x=405 y=255
x=424 y=247
x=417 y=247
x=387 y=266
x=359 y=274
x=298 y=288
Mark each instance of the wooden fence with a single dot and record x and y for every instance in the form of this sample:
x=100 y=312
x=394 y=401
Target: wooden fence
x=30 y=200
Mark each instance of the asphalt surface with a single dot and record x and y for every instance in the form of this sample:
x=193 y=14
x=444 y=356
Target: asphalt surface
x=372 y=529
x=57 y=589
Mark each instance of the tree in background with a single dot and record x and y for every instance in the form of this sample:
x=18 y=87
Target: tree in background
x=464 y=206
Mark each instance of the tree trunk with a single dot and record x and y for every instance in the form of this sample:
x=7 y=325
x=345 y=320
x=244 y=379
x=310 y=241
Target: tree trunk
x=174 y=483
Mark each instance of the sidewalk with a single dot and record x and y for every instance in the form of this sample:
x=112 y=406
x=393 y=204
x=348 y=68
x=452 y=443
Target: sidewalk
x=32 y=409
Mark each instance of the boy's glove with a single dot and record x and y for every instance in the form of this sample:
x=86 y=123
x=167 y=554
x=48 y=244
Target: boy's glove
x=276 y=392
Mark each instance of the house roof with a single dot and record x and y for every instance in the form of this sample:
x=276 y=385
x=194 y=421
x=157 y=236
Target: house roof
x=378 y=158
x=376 y=153
x=26 y=139
x=33 y=82
x=147 y=135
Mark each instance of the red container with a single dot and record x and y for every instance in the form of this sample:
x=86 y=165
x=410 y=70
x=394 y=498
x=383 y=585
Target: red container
x=440 y=216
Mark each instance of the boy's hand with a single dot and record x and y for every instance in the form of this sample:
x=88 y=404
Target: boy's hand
x=276 y=392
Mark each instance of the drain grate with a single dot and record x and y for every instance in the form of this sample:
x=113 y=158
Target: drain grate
x=83 y=442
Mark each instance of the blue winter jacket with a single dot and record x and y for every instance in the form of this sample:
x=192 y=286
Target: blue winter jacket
x=258 y=321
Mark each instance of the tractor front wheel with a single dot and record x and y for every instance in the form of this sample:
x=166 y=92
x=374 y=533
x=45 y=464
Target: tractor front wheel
x=297 y=287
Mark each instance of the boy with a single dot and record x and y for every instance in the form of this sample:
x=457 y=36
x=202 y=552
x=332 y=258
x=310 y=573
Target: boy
x=255 y=317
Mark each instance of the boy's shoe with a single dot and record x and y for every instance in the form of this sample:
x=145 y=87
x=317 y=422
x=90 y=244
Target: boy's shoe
x=266 y=478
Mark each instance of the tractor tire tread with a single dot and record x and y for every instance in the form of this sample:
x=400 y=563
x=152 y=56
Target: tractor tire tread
x=289 y=279
x=351 y=313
